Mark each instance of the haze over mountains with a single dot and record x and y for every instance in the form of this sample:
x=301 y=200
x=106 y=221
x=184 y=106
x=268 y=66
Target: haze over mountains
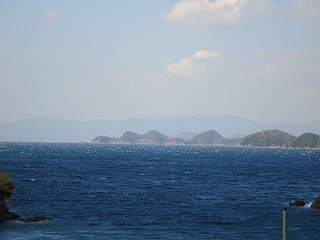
x=186 y=127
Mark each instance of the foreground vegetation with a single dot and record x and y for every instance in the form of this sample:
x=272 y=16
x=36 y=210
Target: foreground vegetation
x=6 y=188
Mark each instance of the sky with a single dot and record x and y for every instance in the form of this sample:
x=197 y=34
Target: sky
x=89 y=60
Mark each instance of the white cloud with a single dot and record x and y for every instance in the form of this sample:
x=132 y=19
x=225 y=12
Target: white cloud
x=50 y=15
x=194 y=66
x=260 y=6
x=308 y=8
x=231 y=12
x=206 y=12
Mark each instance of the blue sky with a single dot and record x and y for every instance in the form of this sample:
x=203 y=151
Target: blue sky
x=86 y=60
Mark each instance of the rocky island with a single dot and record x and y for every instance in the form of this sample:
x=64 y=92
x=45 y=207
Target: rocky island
x=278 y=139
x=210 y=137
x=6 y=190
x=264 y=139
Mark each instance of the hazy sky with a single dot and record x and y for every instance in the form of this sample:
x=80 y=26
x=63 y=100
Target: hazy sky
x=86 y=60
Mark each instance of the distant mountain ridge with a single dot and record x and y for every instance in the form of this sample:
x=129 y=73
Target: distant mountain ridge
x=61 y=130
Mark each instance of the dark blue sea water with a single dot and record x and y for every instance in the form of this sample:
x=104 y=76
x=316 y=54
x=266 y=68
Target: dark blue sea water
x=160 y=192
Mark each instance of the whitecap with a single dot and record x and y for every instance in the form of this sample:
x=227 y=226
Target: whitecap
x=308 y=205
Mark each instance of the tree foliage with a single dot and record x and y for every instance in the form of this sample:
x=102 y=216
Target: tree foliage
x=307 y=140
x=6 y=186
x=268 y=138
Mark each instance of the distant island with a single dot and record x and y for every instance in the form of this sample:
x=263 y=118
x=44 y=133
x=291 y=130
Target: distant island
x=277 y=138
x=266 y=138
x=210 y=137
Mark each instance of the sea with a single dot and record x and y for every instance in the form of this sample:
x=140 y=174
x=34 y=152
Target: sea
x=160 y=192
